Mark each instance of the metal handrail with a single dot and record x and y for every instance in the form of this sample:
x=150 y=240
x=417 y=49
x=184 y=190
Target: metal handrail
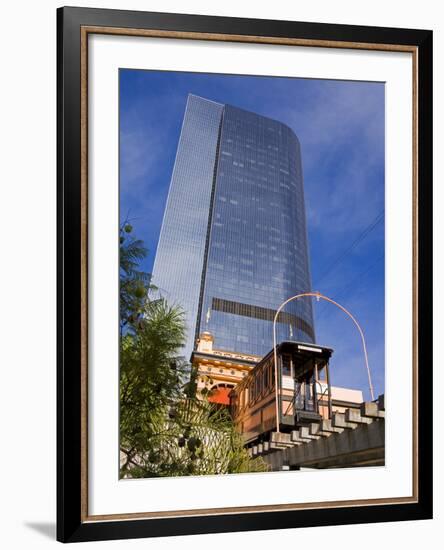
x=296 y=394
x=323 y=393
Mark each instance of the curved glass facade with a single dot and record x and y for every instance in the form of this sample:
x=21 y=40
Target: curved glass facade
x=250 y=232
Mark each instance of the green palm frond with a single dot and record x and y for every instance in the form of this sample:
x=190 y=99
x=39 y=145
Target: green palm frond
x=165 y=429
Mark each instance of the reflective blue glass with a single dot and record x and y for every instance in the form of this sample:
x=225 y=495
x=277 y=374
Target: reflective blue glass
x=257 y=254
x=233 y=239
x=178 y=265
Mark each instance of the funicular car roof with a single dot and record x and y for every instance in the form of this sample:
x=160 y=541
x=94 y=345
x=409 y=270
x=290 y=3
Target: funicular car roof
x=303 y=352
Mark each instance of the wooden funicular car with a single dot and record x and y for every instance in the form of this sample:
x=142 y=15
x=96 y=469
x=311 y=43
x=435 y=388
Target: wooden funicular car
x=302 y=394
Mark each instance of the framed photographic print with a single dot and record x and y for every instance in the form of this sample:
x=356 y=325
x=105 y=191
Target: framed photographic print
x=244 y=285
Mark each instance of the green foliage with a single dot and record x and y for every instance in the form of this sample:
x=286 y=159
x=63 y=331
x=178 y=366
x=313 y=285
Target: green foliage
x=151 y=375
x=166 y=427
x=196 y=438
x=134 y=283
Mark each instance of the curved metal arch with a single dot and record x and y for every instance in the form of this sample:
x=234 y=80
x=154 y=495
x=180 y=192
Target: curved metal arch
x=318 y=296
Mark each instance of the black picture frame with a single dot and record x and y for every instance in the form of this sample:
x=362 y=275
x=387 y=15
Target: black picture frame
x=72 y=522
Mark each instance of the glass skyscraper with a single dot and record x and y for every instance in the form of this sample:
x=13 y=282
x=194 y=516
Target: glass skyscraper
x=233 y=243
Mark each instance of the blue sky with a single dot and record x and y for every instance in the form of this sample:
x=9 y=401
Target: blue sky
x=340 y=125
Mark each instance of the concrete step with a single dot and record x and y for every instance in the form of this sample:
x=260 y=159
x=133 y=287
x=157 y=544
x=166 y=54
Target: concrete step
x=339 y=421
x=315 y=429
x=327 y=426
x=304 y=433
x=371 y=410
x=295 y=437
x=282 y=440
x=353 y=415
